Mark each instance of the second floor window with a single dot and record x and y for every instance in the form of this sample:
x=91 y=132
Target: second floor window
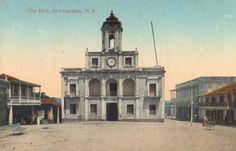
x=221 y=99
x=152 y=89
x=128 y=61
x=94 y=62
x=73 y=89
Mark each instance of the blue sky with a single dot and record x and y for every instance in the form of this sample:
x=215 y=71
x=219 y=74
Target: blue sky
x=186 y=31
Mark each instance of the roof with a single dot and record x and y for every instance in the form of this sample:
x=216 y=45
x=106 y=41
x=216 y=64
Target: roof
x=112 y=21
x=222 y=90
x=16 y=80
x=50 y=101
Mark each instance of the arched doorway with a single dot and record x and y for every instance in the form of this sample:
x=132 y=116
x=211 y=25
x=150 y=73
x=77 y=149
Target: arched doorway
x=128 y=87
x=111 y=87
x=94 y=87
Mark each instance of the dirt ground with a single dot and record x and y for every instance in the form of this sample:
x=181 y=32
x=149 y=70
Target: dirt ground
x=122 y=136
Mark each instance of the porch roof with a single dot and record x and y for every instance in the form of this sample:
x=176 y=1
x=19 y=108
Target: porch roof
x=49 y=101
x=223 y=90
x=15 y=80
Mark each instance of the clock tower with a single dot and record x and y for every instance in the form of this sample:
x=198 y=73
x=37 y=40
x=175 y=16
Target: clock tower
x=111 y=34
x=112 y=86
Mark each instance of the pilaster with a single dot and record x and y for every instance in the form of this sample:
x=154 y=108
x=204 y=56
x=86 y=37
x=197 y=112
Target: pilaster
x=137 y=109
x=10 y=121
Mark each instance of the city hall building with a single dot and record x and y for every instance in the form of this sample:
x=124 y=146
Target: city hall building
x=112 y=86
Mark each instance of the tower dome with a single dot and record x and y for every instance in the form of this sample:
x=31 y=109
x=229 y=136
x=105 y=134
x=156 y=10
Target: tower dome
x=111 y=34
x=112 y=22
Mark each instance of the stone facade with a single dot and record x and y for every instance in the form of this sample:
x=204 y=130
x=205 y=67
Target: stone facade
x=112 y=86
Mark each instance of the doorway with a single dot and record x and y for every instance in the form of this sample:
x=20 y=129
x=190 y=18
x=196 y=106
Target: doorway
x=111 y=87
x=112 y=112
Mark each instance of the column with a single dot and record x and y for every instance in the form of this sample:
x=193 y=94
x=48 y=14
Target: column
x=103 y=88
x=102 y=61
x=39 y=93
x=63 y=86
x=32 y=112
x=120 y=61
x=120 y=108
x=136 y=87
x=86 y=86
x=106 y=41
x=163 y=97
x=120 y=87
x=136 y=99
x=19 y=92
x=58 y=114
x=120 y=40
x=11 y=115
x=9 y=90
x=27 y=93
x=86 y=109
x=120 y=98
x=137 y=108
x=103 y=94
x=116 y=41
x=86 y=92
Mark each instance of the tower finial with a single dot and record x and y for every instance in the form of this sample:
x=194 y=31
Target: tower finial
x=112 y=12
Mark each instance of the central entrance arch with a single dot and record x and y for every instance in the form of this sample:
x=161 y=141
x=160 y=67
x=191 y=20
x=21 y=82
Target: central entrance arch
x=112 y=112
x=111 y=87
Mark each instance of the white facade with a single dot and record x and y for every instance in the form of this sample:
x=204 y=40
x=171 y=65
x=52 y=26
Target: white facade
x=112 y=86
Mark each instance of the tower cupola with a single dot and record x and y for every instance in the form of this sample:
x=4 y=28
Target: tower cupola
x=111 y=34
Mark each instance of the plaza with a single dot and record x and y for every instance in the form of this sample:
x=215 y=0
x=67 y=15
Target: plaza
x=122 y=136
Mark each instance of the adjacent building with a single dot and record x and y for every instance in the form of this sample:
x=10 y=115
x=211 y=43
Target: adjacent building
x=24 y=98
x=112 y=86
x=187 y=93
x=219 y=105
x=4 y=96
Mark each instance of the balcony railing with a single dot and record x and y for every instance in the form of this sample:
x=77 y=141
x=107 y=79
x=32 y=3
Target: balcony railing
x=24 y=100
x=213 y=104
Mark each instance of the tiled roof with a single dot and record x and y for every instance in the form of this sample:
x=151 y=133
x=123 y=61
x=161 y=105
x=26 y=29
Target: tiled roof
x=16 y=80
x=222 y=90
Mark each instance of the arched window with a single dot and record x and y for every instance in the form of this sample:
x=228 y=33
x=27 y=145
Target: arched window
x=111 y=42
x=94 y=87
x=111 y=87
x=128 y=87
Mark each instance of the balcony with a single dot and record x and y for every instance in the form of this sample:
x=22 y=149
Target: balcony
x=23 y=100
x=213 y=104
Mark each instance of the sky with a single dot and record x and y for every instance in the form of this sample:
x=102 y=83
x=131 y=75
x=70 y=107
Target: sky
x=193 y=38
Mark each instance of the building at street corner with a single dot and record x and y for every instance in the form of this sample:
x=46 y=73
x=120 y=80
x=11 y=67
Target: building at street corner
x=23 y=101
x=112 y=86
x=219 y=105
x=190 y=91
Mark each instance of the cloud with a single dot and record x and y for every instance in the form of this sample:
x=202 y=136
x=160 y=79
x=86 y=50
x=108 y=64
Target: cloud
x=217 y=28
x=40 y=31
x=227 y=16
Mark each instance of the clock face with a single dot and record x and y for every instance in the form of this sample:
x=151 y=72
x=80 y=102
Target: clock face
x=111 y=62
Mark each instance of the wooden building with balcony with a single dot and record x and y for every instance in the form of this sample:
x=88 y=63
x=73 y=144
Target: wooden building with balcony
x=219 y=105
x=24 y=99
x=187 y=94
